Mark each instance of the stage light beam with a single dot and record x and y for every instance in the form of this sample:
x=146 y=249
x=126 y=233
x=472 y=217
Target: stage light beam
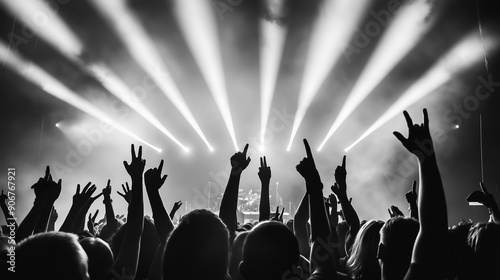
x=403 y=33
x=331 y=34
x=58 y=35
x=118 y=88
x=463 y=55
x=202 y=39
x=36 y=75
x=272 y=43
x=141 y=47
x=44 y=21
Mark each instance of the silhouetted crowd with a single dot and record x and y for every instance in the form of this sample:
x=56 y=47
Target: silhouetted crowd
x=318 y=243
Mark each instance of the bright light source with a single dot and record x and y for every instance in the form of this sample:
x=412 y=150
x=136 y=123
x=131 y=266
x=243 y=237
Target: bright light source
x=145 y=53
x=332 y=33
x=58 y=124
x=203 y=40
x=272 y=42
x=119 y=89
x=262 y=148
x=55 y=88
x=407 y=28
x=44 y=22
x=457 y=126
x=463 y=55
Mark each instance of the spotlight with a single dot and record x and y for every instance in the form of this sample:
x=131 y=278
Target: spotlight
x=272 y=42
x=119 y=89
x=145 y=53
x=55 y=88
x=58 y=124
x=406 y=29
x=44 y=22
x=463 y=55
x=203 y=40
x=332 y=31
x=457 y=126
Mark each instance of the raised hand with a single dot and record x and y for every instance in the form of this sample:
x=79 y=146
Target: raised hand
x=411 y=196
x=240 y=161
x=153 y=178
x=91 y=222
x=137 y=164
x=395 y=212
x=483 y=197
x=127 y=194
x=38 y=186
x=177 y=206
x=107 y=190
x=46 y=188
x=419 y=141
x=307 y=167
x=341 y=174
x=277 y=216
x=264 y=171
x=81 y=198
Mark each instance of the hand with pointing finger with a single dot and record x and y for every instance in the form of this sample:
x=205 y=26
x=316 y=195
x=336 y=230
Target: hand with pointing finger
x=339 y=188
x=240 y=161
x=411 y=197
x=307 y=167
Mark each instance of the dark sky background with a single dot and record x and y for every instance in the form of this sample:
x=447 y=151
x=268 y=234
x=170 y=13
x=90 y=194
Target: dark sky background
x=380 y=171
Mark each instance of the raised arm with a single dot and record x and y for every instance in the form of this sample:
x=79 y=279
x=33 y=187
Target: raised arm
x=91 y=222
x=322 y=253
x=177 y=205
x=79 y=201
x=79 y=224
x=163 y=224
x=300 y=226
x=340 y=190
x=27 y=226
x=430 y=245
x=265 y=178
x=229 y=203
x=126 y=262
x=108 y=204
x=50 y=191
x=52 y=219
x=331 y=206
x=154 y=181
